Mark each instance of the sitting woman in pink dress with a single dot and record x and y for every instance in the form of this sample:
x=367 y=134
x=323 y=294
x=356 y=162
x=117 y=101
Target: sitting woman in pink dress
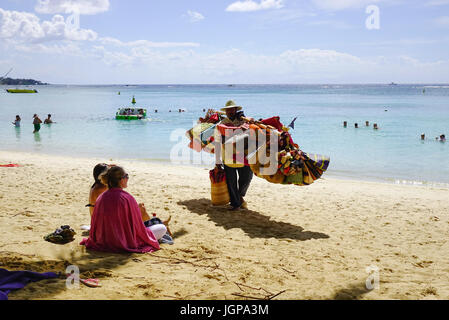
x=117 y=224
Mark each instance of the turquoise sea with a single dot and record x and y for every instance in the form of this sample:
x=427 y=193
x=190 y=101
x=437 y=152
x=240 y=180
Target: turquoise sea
x=395 y=153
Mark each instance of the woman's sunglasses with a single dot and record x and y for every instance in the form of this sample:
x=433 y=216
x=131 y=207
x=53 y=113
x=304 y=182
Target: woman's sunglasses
x=126 y=176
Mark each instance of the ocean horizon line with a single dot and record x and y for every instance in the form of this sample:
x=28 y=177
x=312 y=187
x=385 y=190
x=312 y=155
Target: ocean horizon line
x=240 y=84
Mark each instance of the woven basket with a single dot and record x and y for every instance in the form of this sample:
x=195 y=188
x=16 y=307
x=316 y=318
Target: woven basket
x=219 y=193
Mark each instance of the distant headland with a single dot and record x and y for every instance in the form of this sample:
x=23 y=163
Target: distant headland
x=20 y=82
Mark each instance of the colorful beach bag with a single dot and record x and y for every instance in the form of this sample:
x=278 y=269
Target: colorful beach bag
x=219 y=189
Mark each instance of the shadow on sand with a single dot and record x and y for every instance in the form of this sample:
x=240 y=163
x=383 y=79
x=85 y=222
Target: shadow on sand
x=254 y=224
x=353 y=292
x=91 y=265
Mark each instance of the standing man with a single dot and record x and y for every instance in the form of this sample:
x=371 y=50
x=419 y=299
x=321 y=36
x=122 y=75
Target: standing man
x=238 y=175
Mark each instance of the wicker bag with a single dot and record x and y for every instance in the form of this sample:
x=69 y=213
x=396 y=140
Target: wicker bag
x=219 y=193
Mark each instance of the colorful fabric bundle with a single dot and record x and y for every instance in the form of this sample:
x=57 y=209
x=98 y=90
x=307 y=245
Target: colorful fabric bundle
x=228 y=130
x=294 y=166
x=211 y=117
x=219 y=189
x=278 y=177
x=201 y=137
x=234 y=138
x=311 y=167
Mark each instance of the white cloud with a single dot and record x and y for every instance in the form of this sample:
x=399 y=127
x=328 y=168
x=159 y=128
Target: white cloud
x=72 y=6
x=63 y=49
x=405 y=42
x=234 y=64
x=112 y=58
x=19 y=24
x=146 y=43
x=250 y=5
x=337 y=24
x=116 y=64
x=27 y=27
x=317 y=59
x=334 y=5
x=442 y=21
x=437 y=3
x=194 y=16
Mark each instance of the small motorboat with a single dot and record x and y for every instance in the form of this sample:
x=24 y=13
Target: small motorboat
x=21 y=90
x=131 y=113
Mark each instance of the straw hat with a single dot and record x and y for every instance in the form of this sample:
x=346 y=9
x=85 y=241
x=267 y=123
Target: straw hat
x=231 y=104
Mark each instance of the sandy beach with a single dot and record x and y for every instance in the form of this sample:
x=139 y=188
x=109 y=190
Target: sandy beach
x=312 y=242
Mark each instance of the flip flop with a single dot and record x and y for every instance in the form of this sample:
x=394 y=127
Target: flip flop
x=11 y=165
x=93 y=283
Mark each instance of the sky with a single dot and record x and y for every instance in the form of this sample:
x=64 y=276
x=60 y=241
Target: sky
x=225 y=41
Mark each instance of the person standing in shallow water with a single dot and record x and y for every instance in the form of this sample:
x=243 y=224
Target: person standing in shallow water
x=16 y=122
x=237 y=186
x=48 y=120
x=37 y=123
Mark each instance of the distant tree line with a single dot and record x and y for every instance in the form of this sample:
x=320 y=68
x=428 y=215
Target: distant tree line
x=20 y=82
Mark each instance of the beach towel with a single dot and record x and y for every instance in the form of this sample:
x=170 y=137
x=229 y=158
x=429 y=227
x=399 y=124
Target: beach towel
x=13 y=280
x=11 y=165
x=117 y=225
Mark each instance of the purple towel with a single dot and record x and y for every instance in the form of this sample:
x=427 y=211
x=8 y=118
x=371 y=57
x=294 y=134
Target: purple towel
x=12 y=280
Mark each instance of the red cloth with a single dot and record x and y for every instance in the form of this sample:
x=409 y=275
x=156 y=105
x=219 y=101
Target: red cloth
x=9 y=165
x=117 y=225
x=274 y=122
x=228 y=129
x=214 y=118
